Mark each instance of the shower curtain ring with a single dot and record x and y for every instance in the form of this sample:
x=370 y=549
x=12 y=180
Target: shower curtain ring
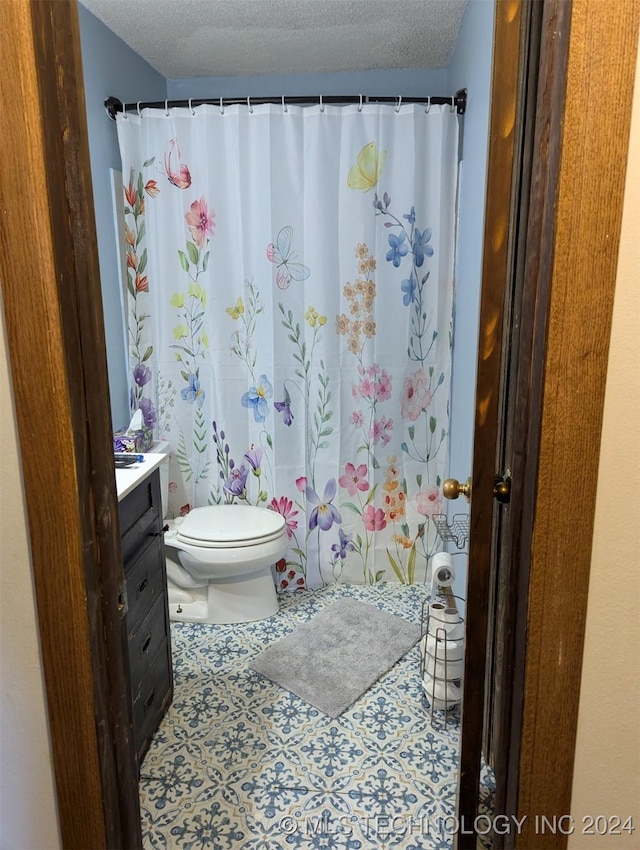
x=249 y=105
x=221 y=107
x=138 y=108
x=321 y=104
x=452 y=108
x=428 y=106
x=399 y=104
x=191 y=107
x=360 y=107
x=166 y=108
x=284 y=105
x=124 y=111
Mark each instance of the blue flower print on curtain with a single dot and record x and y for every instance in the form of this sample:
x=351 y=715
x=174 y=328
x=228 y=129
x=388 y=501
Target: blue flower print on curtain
x=324 y=514
x=422 y=384
x=383 y=504
x=234 y=479
x=256 y=398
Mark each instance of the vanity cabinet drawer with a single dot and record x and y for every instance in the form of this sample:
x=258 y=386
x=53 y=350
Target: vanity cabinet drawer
x=151 y=701
x=150 y=665
x=143 y=645
x=140 y=515
x=145 y=583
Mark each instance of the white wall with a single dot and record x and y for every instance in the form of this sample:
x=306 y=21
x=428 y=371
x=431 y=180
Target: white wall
x=607 y=764
x=28 y=813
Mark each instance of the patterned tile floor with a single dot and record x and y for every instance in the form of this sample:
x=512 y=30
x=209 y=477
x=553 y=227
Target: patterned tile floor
x=238 y=762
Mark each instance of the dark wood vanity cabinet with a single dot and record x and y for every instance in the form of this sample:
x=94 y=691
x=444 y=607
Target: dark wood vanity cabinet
x=147 y=608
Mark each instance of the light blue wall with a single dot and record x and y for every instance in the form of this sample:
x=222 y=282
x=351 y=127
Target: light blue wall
x=409 y=83
x=470 y=67
x=111 y=68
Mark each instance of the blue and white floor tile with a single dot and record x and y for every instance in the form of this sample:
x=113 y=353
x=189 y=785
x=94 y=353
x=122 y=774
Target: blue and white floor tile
x=238 y=762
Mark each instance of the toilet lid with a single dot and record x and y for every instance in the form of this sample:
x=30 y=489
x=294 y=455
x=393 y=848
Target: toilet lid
x=227 y=526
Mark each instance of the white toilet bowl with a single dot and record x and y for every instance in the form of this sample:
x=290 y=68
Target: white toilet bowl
x=219 y=560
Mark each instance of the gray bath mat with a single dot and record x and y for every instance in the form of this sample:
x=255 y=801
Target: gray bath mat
x=335 y=657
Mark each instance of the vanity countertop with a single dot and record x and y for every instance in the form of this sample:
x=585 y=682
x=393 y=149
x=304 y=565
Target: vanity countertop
x=128 y=477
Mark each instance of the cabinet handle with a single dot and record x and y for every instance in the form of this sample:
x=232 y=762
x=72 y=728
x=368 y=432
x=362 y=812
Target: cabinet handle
x=142 y=585
x=145 y=645
x=160 y=533
x=149 y=701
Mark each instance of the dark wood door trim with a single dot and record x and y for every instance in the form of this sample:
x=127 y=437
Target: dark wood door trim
x=502 y=182
x=571 y=365
x=55 y=333
x=523 y=397
x=563 y=344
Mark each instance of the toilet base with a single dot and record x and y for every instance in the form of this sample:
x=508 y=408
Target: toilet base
x=188 y=612
x=224 y=601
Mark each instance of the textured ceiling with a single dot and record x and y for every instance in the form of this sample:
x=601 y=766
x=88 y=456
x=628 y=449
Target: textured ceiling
x=213 y=38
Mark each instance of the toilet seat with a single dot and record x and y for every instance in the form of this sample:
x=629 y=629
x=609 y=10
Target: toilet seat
x=230 y=526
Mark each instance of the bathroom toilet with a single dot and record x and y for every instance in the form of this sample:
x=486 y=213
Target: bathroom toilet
x=219 y=561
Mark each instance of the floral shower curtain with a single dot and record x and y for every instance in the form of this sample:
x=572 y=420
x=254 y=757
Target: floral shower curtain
x=290 y=278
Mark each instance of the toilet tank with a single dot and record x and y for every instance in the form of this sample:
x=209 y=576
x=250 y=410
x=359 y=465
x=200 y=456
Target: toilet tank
x=162 y=447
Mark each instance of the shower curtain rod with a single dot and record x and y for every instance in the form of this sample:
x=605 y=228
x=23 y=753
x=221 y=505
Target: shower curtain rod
x=113 y=105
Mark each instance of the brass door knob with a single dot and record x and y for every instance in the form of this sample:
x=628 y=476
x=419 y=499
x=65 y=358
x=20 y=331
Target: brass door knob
x=502 y=489
x=452 y=488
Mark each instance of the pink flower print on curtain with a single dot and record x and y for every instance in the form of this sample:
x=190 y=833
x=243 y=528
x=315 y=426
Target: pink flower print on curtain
x=354 y=480
x=200 y=222
x=416 y=395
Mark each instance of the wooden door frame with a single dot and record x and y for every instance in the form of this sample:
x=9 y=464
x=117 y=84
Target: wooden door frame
x=569 y=365
x=522 y=188
x=55 y=334
x=76 y=561
x=579 y=159
x=522 y=400
x=506 y=127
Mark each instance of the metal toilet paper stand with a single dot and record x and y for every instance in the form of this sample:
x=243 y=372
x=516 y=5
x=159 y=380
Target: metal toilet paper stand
x=441 y=657
x=442 y=627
